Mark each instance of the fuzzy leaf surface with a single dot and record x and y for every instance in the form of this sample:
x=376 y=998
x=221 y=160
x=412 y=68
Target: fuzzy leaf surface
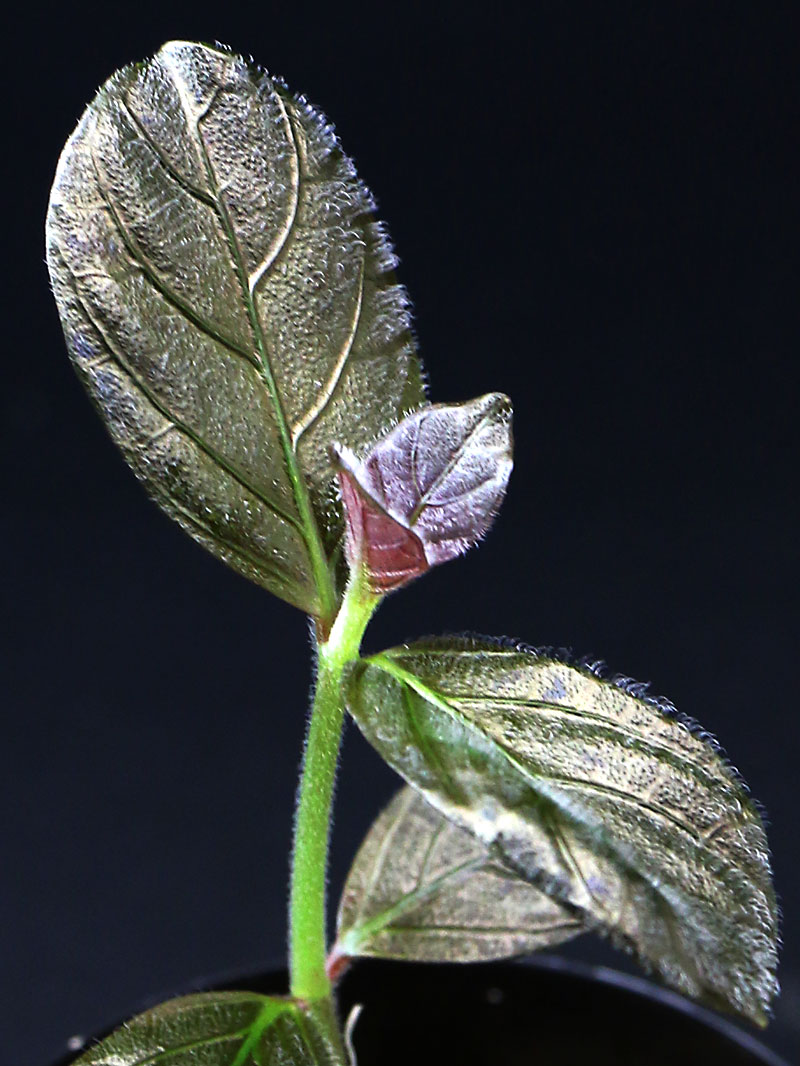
x=428 y=490
x=219 y=1029
x=227 y=300
x=608 y=801
x=424 y=889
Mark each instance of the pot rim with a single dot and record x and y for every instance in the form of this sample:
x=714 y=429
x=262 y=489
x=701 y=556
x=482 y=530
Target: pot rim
x=647 y=989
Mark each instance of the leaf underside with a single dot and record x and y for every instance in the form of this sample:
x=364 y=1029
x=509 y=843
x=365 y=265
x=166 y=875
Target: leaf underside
x=227 y=299
x=423 y=889
x=606 y=800
x=217 y=1029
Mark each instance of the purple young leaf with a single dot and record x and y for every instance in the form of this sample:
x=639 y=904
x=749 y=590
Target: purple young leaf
x=428 y=490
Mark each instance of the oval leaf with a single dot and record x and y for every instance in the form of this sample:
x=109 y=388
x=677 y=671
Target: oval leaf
x=428 y=490
x=604 y=798
x=219 y=1029
x=422 y=888
x=227 y=300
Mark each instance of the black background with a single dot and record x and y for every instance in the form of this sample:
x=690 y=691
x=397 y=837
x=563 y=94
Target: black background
x=595 y=208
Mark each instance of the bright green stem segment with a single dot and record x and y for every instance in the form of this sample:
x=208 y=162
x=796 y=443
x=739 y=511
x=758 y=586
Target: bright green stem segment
x=307 y=935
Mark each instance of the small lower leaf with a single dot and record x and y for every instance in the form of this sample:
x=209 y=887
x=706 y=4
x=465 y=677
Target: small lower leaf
x=423 y=889
x=605 y=799
x=219 y=1029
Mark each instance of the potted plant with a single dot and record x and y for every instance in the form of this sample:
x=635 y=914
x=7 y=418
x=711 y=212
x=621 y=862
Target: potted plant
x=228 y=300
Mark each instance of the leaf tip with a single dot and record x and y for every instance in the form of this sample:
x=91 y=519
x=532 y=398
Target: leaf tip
x=337 y=963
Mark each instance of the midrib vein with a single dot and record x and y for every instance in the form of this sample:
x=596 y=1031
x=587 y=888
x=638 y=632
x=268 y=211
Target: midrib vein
x=309 y=528
x=451 y=464
x=414 y=898
x=267 y=1016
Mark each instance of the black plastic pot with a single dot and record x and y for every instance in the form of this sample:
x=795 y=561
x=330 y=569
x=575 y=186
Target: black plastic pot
x=540 y=1013
x=549 y=1011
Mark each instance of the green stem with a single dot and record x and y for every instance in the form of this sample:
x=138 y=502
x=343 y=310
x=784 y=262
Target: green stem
x=307 y=934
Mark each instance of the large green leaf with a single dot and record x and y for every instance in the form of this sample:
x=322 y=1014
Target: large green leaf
x=227 y=299
x=422 y=888
x=607 y=800
x=220 y=1029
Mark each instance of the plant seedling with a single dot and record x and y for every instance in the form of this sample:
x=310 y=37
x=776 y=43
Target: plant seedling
x=228 y=301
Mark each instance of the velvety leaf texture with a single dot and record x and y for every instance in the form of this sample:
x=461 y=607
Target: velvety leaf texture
x=218 y=1029
x=607 y=800
x=428 y=490
x=422 y=888
x=227 y=299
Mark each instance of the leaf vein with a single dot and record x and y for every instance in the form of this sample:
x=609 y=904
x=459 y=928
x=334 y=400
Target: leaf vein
x=166 y=165
x=266 y=1016
x=262 y=566
x=448 y=468
x=614 y=730
x=426 y=858
x=151 y=275
x=423 y=742
x=308 y=529
x=377 y=864
x=274 y=253
x=315 y=411
x=192 y=435
x=165 y=1053
x=414 y=898
x=484 y=930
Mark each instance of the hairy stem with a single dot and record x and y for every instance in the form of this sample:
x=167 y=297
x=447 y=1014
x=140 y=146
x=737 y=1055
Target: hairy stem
x=307 y=935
